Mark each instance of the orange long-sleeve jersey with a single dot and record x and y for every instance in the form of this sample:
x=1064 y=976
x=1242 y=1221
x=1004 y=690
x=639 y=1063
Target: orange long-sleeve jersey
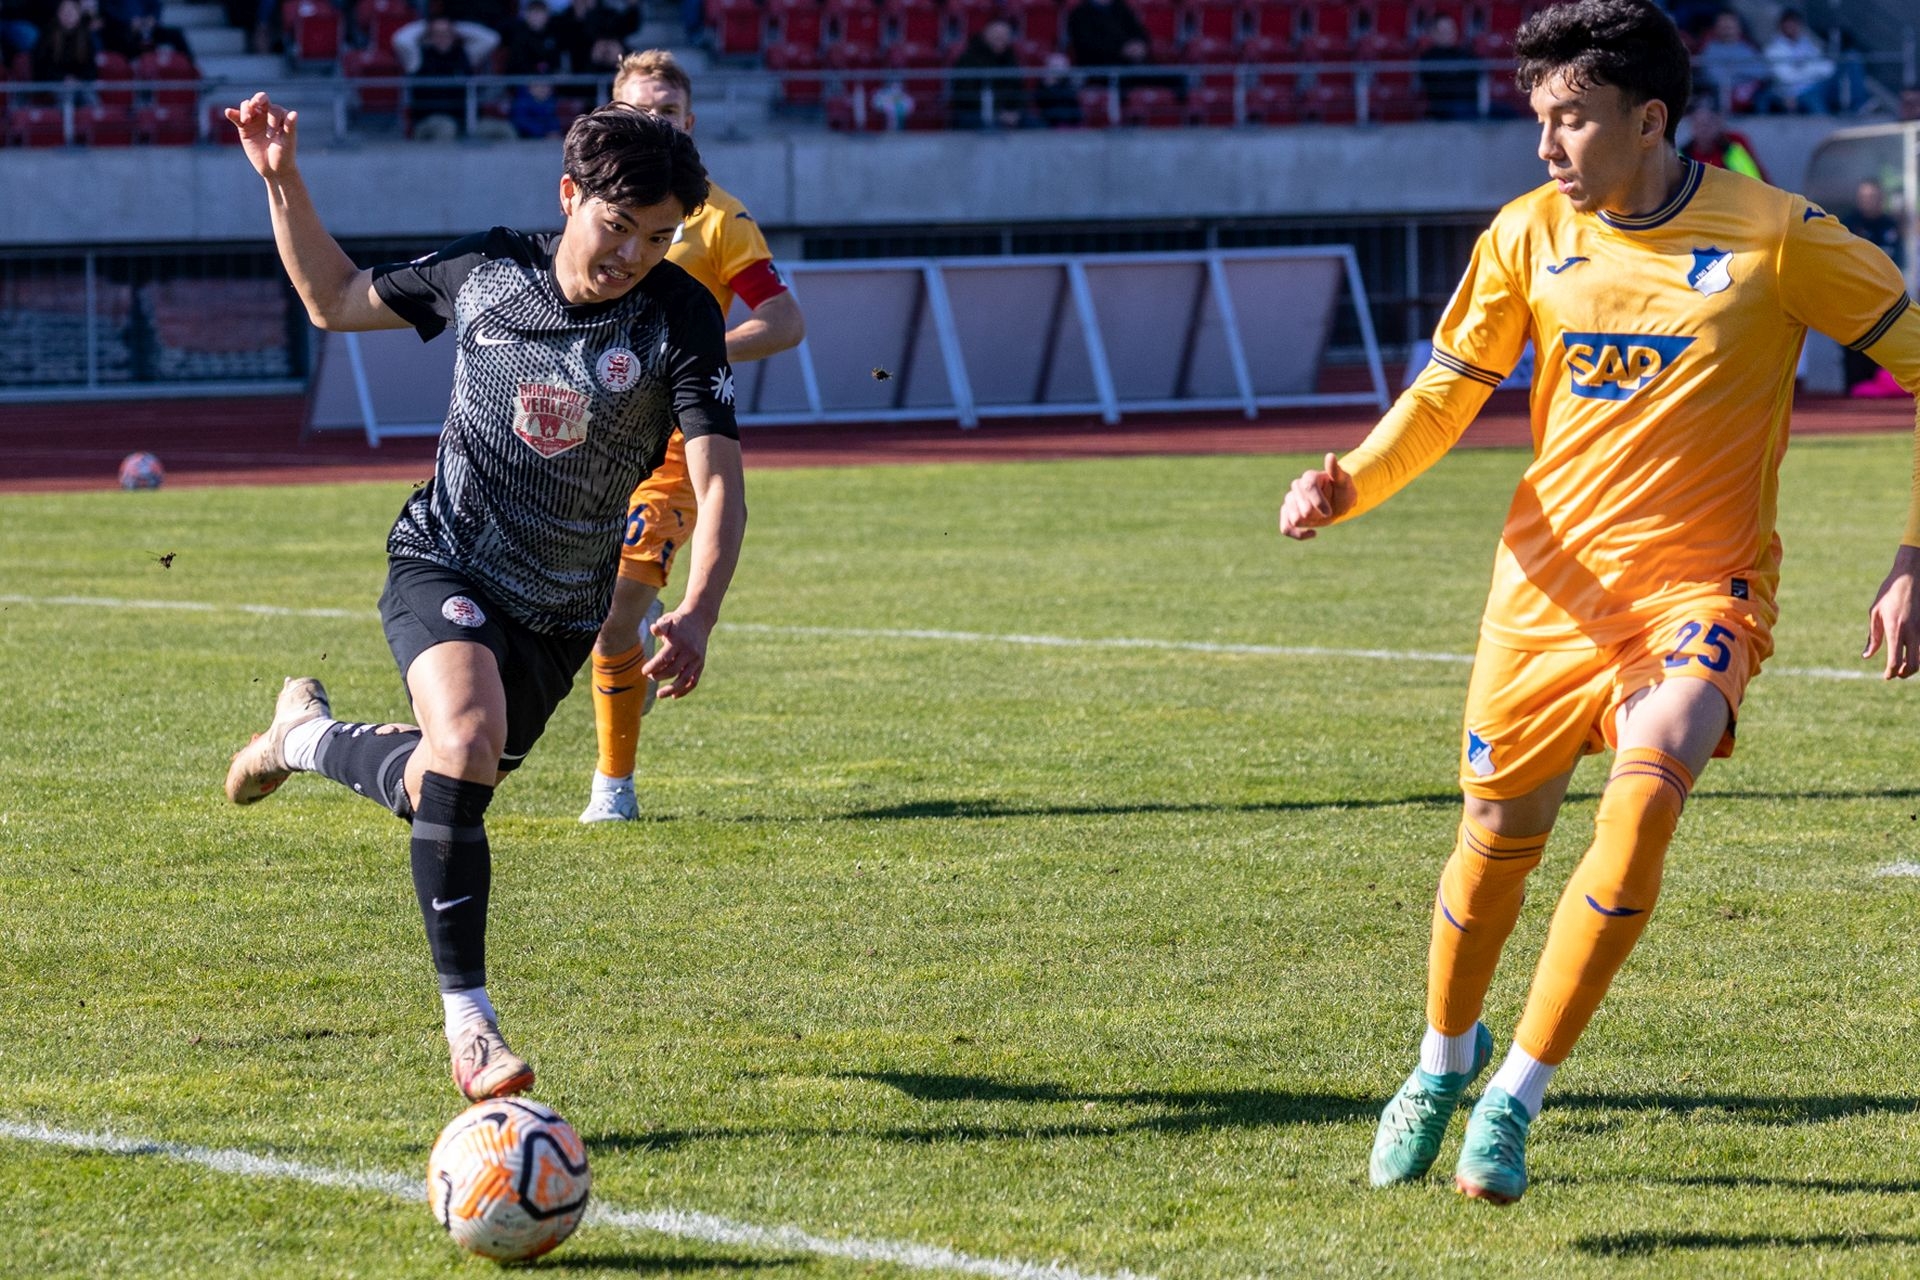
x=1665 y=349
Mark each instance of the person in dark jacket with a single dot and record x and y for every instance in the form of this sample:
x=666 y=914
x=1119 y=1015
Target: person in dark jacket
x=991 y=49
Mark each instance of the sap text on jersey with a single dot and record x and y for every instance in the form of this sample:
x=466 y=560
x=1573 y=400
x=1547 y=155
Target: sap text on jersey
x=1615 y=366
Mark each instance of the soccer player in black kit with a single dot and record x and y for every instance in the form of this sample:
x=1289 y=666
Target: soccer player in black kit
x=579 y=353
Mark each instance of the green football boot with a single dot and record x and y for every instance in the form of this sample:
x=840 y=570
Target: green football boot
x=1408 y=1139
x=1493 y=1160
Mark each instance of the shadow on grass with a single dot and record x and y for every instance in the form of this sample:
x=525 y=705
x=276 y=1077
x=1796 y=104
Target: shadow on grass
x=1824 y=1186
x=1106 y=1113
x=986 y=808
x=1641 y=1244
x=1756 y=1109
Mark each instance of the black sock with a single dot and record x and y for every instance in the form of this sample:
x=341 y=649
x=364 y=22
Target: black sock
x=452 y=872
x=372 y=764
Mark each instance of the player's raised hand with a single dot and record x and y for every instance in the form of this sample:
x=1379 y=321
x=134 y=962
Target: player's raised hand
x=682 y=656
x=266 y=135
x=1317 y=498
x=1894 y=619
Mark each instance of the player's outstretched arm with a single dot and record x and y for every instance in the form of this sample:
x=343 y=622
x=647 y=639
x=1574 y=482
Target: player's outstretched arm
x=1318 y=498
x=337 y=294
x=713 y=465
x=1894 y=619
x=774 y=326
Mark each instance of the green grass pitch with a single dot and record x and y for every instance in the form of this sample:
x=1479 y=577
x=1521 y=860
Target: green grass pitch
x=1099 y=954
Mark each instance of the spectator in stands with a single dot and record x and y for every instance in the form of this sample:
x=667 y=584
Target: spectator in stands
x=1056 y=98
x=131 y=28
x=496 y=15
x=439 y=111
x=580 y=26
x=1731 y=66
x=1805 y=79
x=990 y=49
x=604 y=57
x=66 y=48
x=1910 y=103
x=1871 y=221
x=535 y=113
x=20 y=24
x=1107 y=33
x=412 y=42
x=532 y=48
x=1711 y=142
x=1452 y=93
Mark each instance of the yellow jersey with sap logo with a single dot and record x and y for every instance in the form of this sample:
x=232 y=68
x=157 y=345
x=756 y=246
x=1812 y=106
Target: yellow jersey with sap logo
x=718 y=243
x=1664 y=356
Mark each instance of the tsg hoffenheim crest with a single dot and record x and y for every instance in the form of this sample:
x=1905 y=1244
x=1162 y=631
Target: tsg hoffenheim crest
x=1710 y=274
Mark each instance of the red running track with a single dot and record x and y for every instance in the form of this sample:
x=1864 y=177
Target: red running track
x=257 y=440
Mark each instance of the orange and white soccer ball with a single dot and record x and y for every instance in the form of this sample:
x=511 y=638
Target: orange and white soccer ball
x=508 y=1179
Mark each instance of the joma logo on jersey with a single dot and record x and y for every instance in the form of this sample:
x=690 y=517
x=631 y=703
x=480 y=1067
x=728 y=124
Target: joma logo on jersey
x=1615 y=366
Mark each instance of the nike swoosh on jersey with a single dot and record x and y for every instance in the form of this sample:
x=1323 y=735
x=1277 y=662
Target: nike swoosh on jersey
x=1615 y=912
x=618 y=688
x=451 y=903
x=1570 y=262
x=484 y=339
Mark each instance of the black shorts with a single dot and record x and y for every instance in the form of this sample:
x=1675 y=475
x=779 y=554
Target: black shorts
x=426 y=604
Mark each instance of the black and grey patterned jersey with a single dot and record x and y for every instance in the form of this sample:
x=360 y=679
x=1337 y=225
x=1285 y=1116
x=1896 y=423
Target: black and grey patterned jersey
x=558 y=411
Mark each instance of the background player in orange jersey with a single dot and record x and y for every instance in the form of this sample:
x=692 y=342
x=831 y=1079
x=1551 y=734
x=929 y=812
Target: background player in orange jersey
x=722 y=248
x=1634 y=585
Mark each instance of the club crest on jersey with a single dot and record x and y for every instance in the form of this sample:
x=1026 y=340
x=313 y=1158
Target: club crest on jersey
x=551 y=420
x=462 y=612
x=1712 y=272
x=1615 y=366
x=1479 y=754
x=618 y=369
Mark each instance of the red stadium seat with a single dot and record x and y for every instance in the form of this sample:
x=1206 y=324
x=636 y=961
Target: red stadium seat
x=1455 y=9
x=1390 y=18
x=1334 y=21
x=1038 y=21
x=739 y=27
x=313 y=31
x=1266 y=51
x=1385 y=49
x=369 y=64
x=1153 y=107
x=112 y=69
x=1390 y=102
x=1273 y=104
x=1331 y=103
x=1162 y=21
x=1274 y=20
x=1096 y=107
x=1205 y=52
x=842 y=56
x=1213 y=20
x=913 y=55
x=1492 y=45
x=795 y=23
x=796 y=91
x=1504 y=17
x=1211 y=105
x=103 y=126
x=965 y=18
x=379 y=19
x=36 y=127
x=853 y=22
x=1032 y=53
x=913 y=22
x=168 y=64
x=165 y=126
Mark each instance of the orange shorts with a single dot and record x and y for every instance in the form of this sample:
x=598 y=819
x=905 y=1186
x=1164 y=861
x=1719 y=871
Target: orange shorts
x=1531 y=714
x=660 y=519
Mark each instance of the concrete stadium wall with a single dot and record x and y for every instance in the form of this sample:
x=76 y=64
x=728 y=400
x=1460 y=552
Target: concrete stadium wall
x=176 y=195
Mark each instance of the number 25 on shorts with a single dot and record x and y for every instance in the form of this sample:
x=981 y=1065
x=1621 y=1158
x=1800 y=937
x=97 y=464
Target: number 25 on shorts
x=1717 y=655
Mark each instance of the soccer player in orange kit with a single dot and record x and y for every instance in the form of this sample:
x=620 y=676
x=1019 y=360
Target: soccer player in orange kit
x=722 y=247
x=1633 y=591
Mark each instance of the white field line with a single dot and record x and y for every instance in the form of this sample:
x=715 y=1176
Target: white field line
x=1899 y=869
x=914 y=633
x=683 y=1224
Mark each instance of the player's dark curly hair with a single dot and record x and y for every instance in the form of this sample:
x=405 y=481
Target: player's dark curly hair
x=630 y=157
x=1629 y=44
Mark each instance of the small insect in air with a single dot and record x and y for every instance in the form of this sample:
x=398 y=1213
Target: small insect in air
x=880 y=375
x=164 y=561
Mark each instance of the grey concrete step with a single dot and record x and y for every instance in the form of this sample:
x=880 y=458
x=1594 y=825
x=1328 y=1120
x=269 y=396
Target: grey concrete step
x=192 y=17
x=241 y=68
x=218 y=42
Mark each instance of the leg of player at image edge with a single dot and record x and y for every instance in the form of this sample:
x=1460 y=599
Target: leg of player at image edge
x=621 y=696
x=452 y=864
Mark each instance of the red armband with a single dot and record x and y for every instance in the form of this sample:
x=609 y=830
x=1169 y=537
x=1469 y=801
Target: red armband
x=758 y=283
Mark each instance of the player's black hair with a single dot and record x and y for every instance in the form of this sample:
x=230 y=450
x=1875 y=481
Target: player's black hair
x=630 y=157
x=1629 y=44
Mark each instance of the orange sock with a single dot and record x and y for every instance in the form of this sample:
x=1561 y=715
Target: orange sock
x=1480 y=894
x=1607 y=900
x=618 y=691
